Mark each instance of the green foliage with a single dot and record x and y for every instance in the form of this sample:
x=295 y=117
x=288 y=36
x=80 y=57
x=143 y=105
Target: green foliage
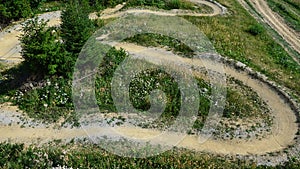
x=48 y=103
x=102 y=4
x=53 y=51
x=42 y=49
x=254 y=51
x=76 y=26
x=77 y=155
x=14 y=10
x=235 y=105
x=179 y=4
x=255 y=29
x=92 y=156
x=162 y=4
x=34 y=4
x=149 y=80
x=282 y=58
x=103 y=81
x=157 y=40
x=48 y=5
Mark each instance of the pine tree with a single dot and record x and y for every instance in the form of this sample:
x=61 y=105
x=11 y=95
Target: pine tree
x=76 y=26
x=42 y=50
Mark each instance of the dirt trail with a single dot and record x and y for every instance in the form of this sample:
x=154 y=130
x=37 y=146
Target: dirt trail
x=277 y=23
x=283 y=130
x=114 y=12
x=284 y=127
x=10 y=45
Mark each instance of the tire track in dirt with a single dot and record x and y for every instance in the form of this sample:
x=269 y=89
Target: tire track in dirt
x=284 y=128
x=10 y=45
x=277 y=23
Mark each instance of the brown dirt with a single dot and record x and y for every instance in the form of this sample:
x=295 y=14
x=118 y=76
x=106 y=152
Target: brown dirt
x=284 y=127
x=283 y=130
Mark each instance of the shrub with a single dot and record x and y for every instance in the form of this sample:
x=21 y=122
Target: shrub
x=42 y=49
x=255 y=29
x=49 y=103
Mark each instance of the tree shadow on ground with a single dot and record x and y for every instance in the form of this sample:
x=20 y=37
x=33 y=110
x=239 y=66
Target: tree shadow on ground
x=18 y=77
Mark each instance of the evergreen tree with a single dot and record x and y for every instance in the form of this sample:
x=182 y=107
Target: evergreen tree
x=14 y=10
x=76 y=26
x=42 y=49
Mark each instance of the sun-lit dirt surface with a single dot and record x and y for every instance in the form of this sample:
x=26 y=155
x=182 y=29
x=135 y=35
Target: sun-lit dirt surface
x=283 y=129
x=10 y=45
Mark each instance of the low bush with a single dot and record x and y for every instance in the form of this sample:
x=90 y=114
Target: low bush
x=255 y=29
x=48 y=103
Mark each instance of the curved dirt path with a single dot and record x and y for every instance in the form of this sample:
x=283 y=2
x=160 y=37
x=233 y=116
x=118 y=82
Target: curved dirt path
x=277 y=23
x=10 y=45
x=114 y=12
x=284 y=127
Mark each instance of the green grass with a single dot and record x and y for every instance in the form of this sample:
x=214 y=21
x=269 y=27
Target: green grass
x=53 y=101
x=246 y=43
x=289 y=10
x=85 y=155
x=156 y=40
x=49 y=103
x=241 y=101
x=168 y=5
x=249 y=43
x=162 y=4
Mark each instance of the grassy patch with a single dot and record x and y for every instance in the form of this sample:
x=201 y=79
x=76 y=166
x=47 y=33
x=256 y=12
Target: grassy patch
x=156 y=40
x=52 y=101
x=48 y=103
x=249 y=43
x=167 y=5
x=76 y=155
x=243 y=102
x=50 y=6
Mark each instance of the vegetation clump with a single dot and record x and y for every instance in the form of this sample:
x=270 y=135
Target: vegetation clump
x=255 y=29
x=162 y=4
x=52 y=52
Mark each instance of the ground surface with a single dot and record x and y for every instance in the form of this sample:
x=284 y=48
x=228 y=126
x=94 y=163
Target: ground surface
x=284 y=128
